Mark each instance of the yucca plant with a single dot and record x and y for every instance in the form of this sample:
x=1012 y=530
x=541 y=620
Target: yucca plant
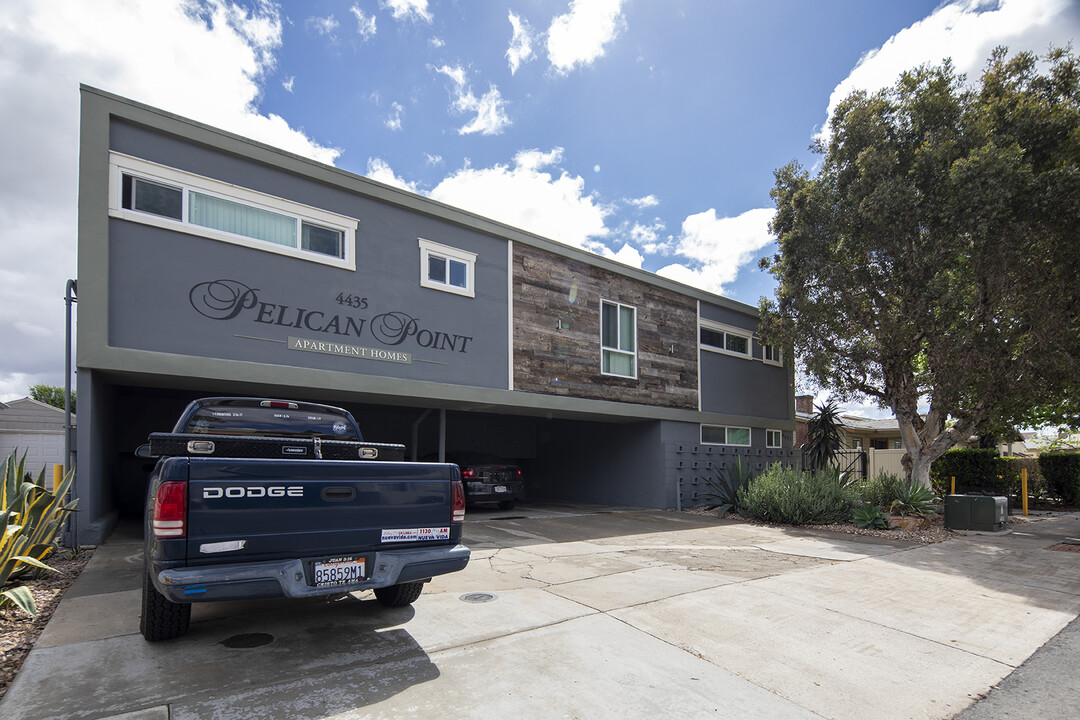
x=30 y=517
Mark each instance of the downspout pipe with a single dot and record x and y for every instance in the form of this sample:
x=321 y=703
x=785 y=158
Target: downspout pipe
x=70 y=298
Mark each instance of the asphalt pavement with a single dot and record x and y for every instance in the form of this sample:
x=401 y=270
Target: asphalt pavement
x=589 y=612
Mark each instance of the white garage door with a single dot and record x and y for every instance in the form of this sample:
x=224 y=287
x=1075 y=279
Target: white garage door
x=43 y=449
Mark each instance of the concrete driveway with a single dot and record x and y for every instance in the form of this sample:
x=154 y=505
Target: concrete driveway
x=586 y=612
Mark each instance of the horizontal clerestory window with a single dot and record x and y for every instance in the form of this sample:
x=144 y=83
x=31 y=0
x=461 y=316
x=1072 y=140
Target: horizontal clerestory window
x=158 y=195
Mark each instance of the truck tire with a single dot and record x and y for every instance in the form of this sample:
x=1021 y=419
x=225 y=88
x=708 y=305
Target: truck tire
x=161 y=618
x=399 y=595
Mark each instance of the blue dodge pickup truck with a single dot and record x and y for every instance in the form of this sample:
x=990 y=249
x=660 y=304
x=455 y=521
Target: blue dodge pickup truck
x=254 y=498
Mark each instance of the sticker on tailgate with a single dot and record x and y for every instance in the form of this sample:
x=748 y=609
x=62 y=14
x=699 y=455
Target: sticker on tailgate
x=416 y=534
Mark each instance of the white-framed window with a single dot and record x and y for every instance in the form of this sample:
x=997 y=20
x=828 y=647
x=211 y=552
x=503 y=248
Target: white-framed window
x=446 y=268
x=771 y=355
x=724 y=435
x=153 y=194
x=618 y=339
x=774 y=439
x=897 y=445
x=724 y=338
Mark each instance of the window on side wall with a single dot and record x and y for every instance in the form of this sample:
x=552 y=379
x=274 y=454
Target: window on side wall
x=771 y=355
x=723 y=339
x=773 y=439
x=725 y=435
x=618 y=339
x=446 y=268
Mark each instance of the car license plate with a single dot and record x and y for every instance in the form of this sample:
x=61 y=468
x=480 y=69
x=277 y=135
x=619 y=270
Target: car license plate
x=501 y=488
x=338 y=571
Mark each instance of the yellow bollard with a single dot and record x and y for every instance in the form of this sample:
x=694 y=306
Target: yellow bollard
x=1023 y=489
x=953 y=488
x=57 y=476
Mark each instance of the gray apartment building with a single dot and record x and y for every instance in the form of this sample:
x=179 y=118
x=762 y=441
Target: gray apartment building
x=211 y=264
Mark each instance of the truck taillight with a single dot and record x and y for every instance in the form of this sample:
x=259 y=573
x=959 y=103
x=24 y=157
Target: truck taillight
x=170 y=510
x=468 y=473
x=518 y=474
x=457 y=497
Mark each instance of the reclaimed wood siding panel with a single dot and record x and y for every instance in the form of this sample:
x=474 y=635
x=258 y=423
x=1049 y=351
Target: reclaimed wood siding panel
x=557 y=333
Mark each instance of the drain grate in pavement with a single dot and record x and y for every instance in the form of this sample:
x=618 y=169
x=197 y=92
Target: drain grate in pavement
x=477 y=597
x=248 y=640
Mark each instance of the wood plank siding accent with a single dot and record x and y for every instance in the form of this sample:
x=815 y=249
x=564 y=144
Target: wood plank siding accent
x=557 y=333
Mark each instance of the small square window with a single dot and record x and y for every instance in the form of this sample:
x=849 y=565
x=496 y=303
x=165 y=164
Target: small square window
x=153 y=198
x=773 y=439
x=446 y=268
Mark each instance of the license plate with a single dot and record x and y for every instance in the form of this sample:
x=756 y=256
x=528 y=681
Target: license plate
x=501 y=488
x=338 y=571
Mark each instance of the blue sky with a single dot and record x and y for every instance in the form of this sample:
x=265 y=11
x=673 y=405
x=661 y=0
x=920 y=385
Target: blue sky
x=643 y=130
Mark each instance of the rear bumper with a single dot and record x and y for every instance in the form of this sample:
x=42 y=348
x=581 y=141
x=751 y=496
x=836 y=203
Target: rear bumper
x=484 y=492
x=285 y=578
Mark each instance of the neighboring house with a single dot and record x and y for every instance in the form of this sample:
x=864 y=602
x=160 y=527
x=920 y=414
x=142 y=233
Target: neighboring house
x=859 y=433
x=34 y=428
x=211 y=264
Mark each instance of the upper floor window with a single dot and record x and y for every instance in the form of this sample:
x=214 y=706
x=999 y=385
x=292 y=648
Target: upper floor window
x=772 y=355
x=618 y=339
x=725 y=339
x=153 y=194
x=445 y=268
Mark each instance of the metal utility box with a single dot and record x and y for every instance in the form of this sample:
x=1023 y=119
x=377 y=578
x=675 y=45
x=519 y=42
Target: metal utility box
x=976 y=512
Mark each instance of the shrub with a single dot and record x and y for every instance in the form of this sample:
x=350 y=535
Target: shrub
x=1062 y=473
x=880 y=491
x=30 y=517
x=974 y=469
x=796 y=497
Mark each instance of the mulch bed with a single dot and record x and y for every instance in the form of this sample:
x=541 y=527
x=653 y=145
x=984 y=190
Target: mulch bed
x=19 y=631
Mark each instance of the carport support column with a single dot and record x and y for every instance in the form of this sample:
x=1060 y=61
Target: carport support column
x=442 y=435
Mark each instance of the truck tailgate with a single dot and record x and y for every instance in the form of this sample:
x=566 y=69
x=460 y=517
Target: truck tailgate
x=253 y=509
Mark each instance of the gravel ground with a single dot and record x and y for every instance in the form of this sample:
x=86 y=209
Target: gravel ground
x=935 y=532
x=19 y=631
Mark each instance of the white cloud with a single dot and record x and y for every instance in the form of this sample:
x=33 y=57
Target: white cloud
x=393 y=121
x=288 y=83
x=718 y=247
x=643 y=203
x=967 y=31
x=528 y=196
x=379 y=170
x=365 y=24
x=322 y=26
x=408 y=10
x=433 y=159
x=202 y=60
x=490 y=109
x=648 y=238
x=579 y=37
x=520 y=49
x=627 y=255
x=437 y=42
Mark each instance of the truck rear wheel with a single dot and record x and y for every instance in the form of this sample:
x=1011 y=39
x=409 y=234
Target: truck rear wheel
x=161 y=618
x=399 y=595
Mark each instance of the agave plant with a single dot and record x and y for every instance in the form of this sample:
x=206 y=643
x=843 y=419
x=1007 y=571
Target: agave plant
x=725 y=484
x=30 y=517
x=913 y=499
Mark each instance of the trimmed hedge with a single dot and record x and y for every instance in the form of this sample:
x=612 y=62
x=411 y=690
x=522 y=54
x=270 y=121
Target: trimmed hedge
x=982 y=471
x=1062 y=473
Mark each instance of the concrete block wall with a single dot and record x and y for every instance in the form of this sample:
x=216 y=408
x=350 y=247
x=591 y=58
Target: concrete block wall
x=686 y=465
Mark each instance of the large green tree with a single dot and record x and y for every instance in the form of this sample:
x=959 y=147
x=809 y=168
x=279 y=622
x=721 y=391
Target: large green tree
x=934 y=257
x=51 y=395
